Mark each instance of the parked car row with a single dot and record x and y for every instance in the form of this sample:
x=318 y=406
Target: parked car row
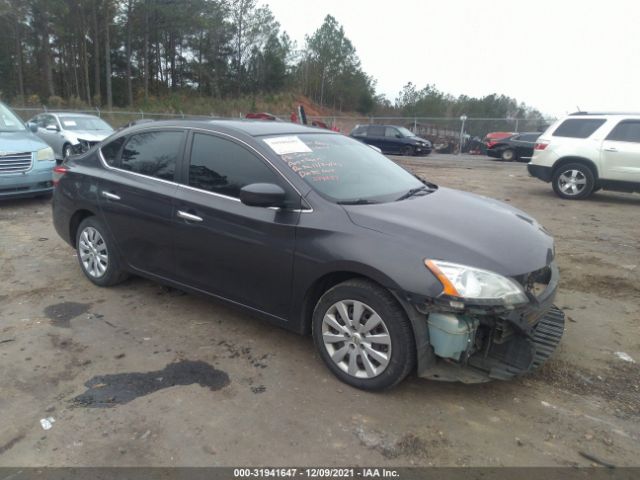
x=29 y=152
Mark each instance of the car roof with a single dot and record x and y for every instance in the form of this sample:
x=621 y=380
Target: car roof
x=254 y=128
x=608 y=114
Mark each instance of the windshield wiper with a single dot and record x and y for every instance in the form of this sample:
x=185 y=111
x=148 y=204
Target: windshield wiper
x=411 y=193
x=358 y=201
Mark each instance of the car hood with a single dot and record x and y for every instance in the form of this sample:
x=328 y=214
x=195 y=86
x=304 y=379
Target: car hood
x=463 y=228
x=419 y=139
x=19 y=142
x=91 y=135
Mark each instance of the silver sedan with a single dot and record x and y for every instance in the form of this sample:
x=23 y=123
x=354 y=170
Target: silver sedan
x=62 y=131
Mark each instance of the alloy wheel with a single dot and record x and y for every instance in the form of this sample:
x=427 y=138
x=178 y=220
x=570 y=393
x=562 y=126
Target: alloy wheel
x=356 y=339
x=572 y=182
x=93 y=252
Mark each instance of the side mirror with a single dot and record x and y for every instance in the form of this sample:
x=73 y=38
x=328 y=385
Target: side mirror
x=32 y=126
x=52 y=128
x=262 y=195
x=398 y=135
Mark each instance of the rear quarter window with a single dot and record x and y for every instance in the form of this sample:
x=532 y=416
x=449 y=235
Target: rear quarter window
x=578 y=127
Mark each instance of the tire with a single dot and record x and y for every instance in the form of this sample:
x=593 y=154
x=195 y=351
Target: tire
x=96 y=254
x=407 y=151
x=508 y=155
x=378 y=364
x=66 y=151
x=573 y=181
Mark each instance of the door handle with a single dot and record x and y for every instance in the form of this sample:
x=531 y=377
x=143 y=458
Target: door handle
x=611 y=149
x=110 y=196
x=189 y=216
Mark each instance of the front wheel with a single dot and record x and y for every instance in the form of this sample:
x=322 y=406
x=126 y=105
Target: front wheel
x=407 y=151
x=363 y=335
x=66 y=151
x=573 y=181
x=95 y=250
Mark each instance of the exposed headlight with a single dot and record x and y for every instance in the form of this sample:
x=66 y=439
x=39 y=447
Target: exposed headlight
x=475 y=284
x=46 y=154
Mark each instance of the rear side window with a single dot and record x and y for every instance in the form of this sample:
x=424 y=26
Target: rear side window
x=376 y=131
x=529 y=137
x=578 y=127
x=111 y=151
x=626 y=131
x=152 y=153
x=222 y=166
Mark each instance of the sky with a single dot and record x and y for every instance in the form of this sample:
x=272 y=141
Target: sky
x=555 y=56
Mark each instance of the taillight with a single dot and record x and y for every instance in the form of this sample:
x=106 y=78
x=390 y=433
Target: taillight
x=540 y=146
x=58 y=172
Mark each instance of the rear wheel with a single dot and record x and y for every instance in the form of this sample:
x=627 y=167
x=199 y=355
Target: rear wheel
x=573 y=181
x=363 y=335
x=508 y=155
x=95 y=250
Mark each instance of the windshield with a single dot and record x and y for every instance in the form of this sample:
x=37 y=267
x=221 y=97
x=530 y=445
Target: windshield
x=84 y=123
x=342 y=169
x=9 y=122
x=406 y=132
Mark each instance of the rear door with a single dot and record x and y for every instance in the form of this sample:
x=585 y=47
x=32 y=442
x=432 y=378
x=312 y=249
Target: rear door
x=621 y=152
x=226 y=248
x=375 y=137
x=136 y=195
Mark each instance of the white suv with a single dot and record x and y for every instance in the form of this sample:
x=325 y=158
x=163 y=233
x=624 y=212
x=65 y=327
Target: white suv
x=585 y=152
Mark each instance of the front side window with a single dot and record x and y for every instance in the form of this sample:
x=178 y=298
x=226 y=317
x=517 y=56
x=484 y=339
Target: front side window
x=153 y=153
x=626 y=131
x=391 y=132
x=578 y=127
x=342 y=169
x=224 y=167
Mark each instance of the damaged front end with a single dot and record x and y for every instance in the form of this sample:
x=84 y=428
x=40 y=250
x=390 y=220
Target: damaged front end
x=476 y=342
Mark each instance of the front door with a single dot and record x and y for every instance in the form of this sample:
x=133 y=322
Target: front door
x=621 y=152
x=136 y=195
x=226 y=248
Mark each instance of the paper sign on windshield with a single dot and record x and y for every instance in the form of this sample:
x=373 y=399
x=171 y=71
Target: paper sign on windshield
x=287 y=145
x=69 y=123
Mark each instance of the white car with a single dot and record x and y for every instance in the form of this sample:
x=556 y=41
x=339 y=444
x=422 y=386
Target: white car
x=64 y=130
x=586 y=152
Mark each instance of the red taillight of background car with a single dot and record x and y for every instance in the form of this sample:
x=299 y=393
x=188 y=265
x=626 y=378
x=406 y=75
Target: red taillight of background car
x=58 y=172
x=540 y=146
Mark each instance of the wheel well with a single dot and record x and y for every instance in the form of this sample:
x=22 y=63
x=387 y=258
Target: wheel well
x=583 y=161
x=76 y=219
x=318 y=289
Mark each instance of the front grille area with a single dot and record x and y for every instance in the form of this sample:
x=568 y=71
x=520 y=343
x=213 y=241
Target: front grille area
x=15 y=162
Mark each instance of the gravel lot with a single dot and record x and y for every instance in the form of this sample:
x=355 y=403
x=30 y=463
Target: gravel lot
x=144 y=375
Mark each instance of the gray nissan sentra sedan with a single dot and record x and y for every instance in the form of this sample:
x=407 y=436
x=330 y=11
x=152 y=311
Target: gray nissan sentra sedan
x=320 y=234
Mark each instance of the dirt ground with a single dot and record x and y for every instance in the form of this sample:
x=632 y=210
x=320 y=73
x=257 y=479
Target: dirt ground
x=140 y=374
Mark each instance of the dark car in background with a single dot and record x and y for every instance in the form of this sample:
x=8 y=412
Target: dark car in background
x=392 y=139
x=514 y=148
x=320 y=234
